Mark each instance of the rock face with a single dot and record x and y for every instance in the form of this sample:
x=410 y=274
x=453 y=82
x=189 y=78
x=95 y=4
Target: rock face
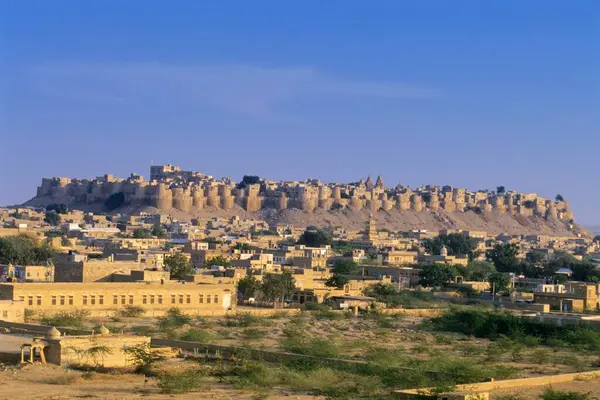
x=192 y=194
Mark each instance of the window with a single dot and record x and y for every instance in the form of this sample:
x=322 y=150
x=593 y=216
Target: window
x=101 y=299
x=30 y=300
x=131 y=299
x=62 y=300
x=216 y=299
x=84 y=300
x=180 y=299
x=115 y=299
x=21 y=298
x=152 y=299
x=93 y=300
x=144 y=299
x=5 y=314
x=200 y=298
x=172 y=299
x=70 y=300
x=208 y=299
x=53 y=300
x=188 y=299
x=39 y=300
x=159 y=299
x=123 y=297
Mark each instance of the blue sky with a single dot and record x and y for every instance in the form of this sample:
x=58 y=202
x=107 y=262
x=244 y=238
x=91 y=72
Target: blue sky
x=474 y=94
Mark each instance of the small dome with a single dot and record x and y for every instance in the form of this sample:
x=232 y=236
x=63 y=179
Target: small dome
x=53 y=333
x=444 y=251
x=104 y=330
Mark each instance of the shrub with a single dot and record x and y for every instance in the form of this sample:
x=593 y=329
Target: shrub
x=180 y=382
x=243 y=320
x=197 y=335
x=142 y=357
x=312 y=347
x=551 y=394
x=174 y=319
x=66 y=379
x=28 y=315
x=252 y=334
x=130 y=311
x=66 y=319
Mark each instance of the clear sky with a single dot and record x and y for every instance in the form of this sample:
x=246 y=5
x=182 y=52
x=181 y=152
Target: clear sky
x=473 y=94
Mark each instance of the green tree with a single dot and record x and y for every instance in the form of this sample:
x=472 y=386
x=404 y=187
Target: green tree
x=179 y=266
x=597 y=238
x=23 y=250
x=500 y=282
x=457 y=244
x=500 y=189
x=243 y=247
x=218 y=260
x=57 y=208
x=159 y=231
x=559 y=197
x=115 y=201
x=278 y=286
x=52 y=218
x=346 y=267
x=336 y=281
x=315 y=238
x=478 y=270
x=248 y=180
x=248 y=287
x=504 y=257
x=436 y=275
x=142 y=234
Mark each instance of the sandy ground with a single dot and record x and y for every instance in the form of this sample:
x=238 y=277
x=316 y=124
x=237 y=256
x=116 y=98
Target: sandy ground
x=50 y=382
x=535 y=392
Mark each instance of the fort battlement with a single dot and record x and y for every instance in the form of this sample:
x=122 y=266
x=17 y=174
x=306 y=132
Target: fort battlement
x=173 y=188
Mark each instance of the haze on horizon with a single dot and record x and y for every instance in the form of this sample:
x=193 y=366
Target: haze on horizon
x=471 y=94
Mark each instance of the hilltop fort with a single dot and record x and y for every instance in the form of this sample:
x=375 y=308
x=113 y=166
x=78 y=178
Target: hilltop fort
x=188 y=193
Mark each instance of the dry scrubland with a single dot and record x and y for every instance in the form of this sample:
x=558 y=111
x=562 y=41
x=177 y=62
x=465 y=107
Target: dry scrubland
x=398 y=352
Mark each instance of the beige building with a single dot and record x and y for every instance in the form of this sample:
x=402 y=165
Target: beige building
x=12 y=311
x=107 y=298
x=572 y=296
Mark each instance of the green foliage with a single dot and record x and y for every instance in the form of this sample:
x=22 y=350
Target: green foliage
x=132 y=311
x=218 y=260
x=436 y=275
x=197 y=335
x=243 y=246
x=248 y=287
x=179 y=265
x=315 y=238
x=158 y=231
x=386 y=293
x=278 y=286
x=57 y=208
x=180 y=382
x=552 y=394
x=500 y=282
x=66 y=319
x=504 y=257
x=142 y=357
x=559 y=198
x=252 y=334
x=23 y=250
x=249 y=180
x=243 y=320
x=52 y=218
x=173 y=319
x=115 y=201
x=506 y=327
x=336 y=281
x=142 y=234
x=478 y=271
x=346 y=267
x=457 y=244
x=500 y=189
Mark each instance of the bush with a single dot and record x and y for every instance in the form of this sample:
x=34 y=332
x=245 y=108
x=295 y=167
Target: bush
x=180 y=382
x=197 y=335
x=551 y=394
x=174 y=319
x=243 y=320
x=132 y=311
x=142 y=357
x=311 y=347
x=66 y=319
x=252 y=334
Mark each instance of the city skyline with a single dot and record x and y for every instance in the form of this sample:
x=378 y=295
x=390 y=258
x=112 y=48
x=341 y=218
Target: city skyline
x=420 y=95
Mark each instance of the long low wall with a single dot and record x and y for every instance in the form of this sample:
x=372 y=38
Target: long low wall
x=506 y=384
x=39 y=329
